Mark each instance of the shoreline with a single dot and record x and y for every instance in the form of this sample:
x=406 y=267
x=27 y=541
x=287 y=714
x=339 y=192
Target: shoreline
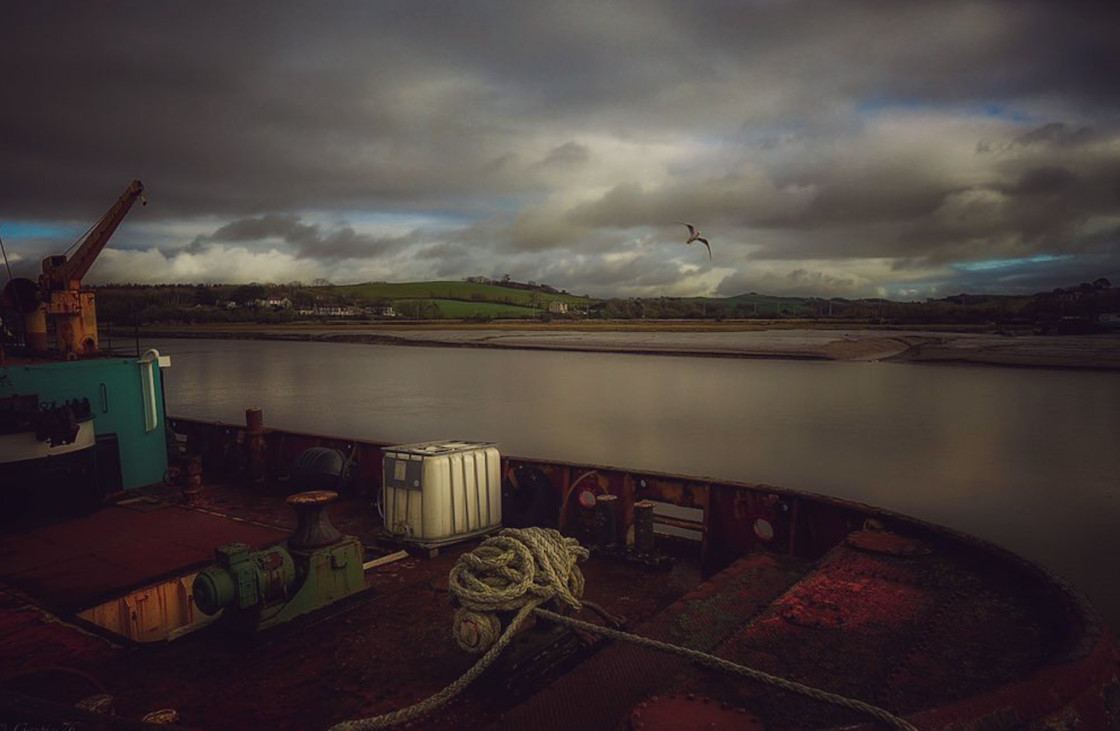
x=1081 y=352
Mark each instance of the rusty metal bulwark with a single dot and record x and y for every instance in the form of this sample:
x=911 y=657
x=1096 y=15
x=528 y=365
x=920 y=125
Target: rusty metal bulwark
x=813 y=525
x=886 y=542
x=255 y=443
x=819 y=524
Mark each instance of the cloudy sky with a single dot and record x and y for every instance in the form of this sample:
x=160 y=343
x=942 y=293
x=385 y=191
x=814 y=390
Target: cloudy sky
x=830 y=148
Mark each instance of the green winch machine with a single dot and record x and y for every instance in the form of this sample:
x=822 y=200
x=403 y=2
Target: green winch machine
x=261 y=589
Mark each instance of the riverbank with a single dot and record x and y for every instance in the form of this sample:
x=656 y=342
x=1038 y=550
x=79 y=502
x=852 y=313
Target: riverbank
x=726 y=340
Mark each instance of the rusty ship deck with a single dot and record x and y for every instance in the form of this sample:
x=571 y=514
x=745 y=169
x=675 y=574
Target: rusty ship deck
x=944 y=630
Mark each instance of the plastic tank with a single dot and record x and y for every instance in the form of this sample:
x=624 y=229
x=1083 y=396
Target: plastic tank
x=440 y=491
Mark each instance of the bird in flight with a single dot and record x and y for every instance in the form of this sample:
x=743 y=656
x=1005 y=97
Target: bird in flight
x=694 y=235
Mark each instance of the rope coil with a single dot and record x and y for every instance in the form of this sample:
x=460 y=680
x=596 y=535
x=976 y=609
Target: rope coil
x=515 y=567
x=522 y=568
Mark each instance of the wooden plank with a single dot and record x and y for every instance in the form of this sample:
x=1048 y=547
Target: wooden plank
x=382 y=560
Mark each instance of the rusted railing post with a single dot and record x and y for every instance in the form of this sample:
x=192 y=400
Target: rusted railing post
x=643 y=526
x=254 y=442
x=606 y=521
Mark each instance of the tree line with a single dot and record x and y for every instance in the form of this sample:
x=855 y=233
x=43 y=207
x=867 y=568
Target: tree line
x=178 y=303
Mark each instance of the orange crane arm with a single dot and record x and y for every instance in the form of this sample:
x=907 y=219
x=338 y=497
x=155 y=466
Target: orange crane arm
x=68 y=274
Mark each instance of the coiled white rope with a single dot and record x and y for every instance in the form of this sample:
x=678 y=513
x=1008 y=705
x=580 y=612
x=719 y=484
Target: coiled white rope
x=518 y=570
x=518 y=566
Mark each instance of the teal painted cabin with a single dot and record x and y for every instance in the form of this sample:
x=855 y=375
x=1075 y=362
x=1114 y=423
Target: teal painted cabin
x=126 y=397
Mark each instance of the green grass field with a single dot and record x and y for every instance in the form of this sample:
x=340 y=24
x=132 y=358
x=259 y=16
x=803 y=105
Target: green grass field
x=466 y=291
x=458 y=309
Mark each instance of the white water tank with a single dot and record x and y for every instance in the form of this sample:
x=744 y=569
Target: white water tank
x=441 y=491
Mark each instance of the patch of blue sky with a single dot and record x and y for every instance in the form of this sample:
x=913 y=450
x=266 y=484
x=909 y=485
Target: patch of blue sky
x=38 y=230
x=396 y=219
x=475 y=207
x=875 y=104
x=886 y=104
x=445 y=218
x=767 y=135
x=1000 y=111
x=995 y=264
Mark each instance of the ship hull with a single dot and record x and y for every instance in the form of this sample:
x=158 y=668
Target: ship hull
x=943 y=629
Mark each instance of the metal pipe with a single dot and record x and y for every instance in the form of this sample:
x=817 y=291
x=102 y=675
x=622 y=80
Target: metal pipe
x=695 y=525
x=643 y=526
x=606 y=521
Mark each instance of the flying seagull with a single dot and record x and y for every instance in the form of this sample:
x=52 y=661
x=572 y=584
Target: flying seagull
x=694 y=235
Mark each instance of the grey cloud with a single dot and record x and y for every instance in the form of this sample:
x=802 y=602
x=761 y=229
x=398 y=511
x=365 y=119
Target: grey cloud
x=1048 y=180
x=1049 y=135
x=308 y=239
x=596 y=274
x=345 y=243
x=447 y=260
x=798 y=282
x=375 y=104
x=808 y=281
x=757 y=118
x=1056 y=133
x=284 y=226
x=1030 y=277
x=566 y=155
x=623 y=206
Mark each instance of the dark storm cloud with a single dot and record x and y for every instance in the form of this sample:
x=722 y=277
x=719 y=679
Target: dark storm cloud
x=1055 y=133
x=1039 y=204
x=232 y=109
x=287 y=227
x=243 y=107
x=908 y=207
x=807 y=130
x=1048 y=180
x=308 y=239
x=566 y=155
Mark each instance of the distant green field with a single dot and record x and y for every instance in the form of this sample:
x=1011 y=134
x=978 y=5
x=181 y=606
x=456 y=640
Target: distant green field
x=458 y=309
x=470 y=291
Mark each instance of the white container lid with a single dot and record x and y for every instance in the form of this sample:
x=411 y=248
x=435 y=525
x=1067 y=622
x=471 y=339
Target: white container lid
x=428 y=449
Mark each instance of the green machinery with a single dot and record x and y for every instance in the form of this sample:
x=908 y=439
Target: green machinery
x=261 y=589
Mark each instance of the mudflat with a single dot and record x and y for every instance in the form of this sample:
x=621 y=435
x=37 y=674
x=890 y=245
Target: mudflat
x=1098 y=351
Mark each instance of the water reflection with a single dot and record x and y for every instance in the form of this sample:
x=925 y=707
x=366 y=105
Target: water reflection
x=1025 y=458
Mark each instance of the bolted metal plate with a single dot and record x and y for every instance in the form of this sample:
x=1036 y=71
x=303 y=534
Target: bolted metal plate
x=691 y=713
x=892 y=544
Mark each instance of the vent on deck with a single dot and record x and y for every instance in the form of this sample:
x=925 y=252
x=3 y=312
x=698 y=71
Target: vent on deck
x=677 y=521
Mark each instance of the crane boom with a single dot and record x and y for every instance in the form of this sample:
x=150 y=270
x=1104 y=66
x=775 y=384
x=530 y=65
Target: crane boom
x=61 y=297
x=60 y=273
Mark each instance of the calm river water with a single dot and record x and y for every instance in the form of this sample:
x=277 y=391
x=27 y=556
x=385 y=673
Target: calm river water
x=1026 y=458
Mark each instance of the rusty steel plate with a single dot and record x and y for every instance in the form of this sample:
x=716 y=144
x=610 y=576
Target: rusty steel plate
x=892 y=544
x=813 y=612
x=691 y=713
